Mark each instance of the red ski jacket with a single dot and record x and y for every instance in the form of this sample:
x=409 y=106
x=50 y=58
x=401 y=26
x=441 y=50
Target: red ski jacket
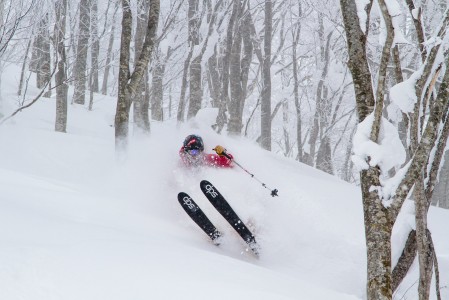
x=206 y=159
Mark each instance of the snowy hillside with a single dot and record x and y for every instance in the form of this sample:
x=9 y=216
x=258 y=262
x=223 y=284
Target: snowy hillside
x=76 y=224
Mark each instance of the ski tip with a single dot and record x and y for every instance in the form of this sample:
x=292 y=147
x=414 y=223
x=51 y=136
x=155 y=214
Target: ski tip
x=181 y=194
x=204 y=182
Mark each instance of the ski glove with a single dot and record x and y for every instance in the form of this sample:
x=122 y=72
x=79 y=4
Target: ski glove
x=220 y=150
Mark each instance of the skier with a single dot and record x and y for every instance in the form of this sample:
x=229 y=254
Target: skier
x=192 y=154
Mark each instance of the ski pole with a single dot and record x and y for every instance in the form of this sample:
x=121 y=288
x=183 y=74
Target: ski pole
x=273 y=192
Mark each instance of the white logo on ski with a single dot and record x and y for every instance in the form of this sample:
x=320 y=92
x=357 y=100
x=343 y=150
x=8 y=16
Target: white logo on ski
x=188 y=201
x=210 y=190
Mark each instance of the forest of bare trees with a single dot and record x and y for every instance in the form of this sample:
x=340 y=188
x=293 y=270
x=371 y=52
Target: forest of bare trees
x=301 y=78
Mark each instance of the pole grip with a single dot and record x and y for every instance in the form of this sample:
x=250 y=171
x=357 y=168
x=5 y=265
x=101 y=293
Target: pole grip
x=227 y=156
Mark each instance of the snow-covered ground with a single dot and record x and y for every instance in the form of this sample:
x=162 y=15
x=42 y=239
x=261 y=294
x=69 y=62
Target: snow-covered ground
x=77 y=224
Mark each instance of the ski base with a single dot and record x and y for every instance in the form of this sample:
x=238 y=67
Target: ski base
x=223 y=207
x=198 y=216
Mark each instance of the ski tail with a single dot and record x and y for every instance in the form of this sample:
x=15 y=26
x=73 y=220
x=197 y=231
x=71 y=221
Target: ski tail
x=225 y=209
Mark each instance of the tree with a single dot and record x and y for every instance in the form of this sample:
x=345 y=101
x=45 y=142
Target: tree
x=240 y=61
x=129 y=82
x=381 y=209
x=440 y=196
x=192 y=40
x=79 y=71
x=160 y=62
x=141 y=98
x=61 y=61
x=40 y=60
x=195 y=86
x=95 y=50
x=104 y=86
x=296 y=31
x=265 y=125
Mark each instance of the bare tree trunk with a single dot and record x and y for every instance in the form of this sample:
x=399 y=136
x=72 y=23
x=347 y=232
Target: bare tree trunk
x=195 y=82
x=235 y=123
x=246 y=59
x=224 y=92
x=440 y=195
x=41 y=55
x=2 y=8
x=182 y=97
x=285 y=121
x=213 y=78
x=295 y=41
x=265 y=125
x=239 y=69
x=129 y=83
x=124 y=98
x=79 y=96
x=196 y=92
x=348 y=164
x=145 y=107
x=22 y=73
x=192 y=41
x=323 y=157
x=157 y=89
x=425 y=255
x=61 y=74
x=104 y=86
x=141 y=121
x=46 y=60
x=195 y=70
x=95 y=51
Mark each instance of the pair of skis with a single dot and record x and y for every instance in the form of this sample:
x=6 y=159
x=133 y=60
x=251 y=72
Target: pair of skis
x=223 y=207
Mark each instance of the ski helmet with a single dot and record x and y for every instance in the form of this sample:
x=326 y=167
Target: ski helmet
x=193 y=142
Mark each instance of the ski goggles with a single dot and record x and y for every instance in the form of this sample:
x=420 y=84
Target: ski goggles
x=194 y=152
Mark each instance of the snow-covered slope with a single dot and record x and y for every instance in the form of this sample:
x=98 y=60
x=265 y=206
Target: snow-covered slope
x=77 y=224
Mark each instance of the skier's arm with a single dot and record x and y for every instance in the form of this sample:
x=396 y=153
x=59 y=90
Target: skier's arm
x=224 y=159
